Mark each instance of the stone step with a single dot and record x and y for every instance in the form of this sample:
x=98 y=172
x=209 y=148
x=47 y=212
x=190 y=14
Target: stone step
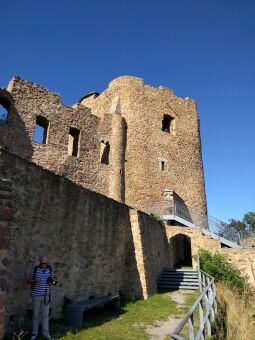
x=173 y=287
x=180 y=270
x=180 y=274
x=174 y=279
x=178 y=279
x=179 y=283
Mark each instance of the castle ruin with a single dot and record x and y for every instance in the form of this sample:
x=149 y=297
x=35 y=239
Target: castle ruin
x=129 y=143
x=82 y=193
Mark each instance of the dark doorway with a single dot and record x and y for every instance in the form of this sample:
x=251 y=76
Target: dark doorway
x=180 y=250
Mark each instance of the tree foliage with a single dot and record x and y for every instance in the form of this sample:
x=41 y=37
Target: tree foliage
x=236 y=229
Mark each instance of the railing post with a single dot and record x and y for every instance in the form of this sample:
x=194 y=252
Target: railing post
x=203 y=279
x=191 y=328
x=209 y=329
x=201 y=319
x=199 y=275
x=214 y=298
x=210 y=297
x=208 y=322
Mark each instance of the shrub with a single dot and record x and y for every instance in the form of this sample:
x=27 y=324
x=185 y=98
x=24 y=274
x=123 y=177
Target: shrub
x=218 y=267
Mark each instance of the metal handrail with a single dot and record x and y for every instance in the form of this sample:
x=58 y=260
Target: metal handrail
x=207 y=298
x=202 y=221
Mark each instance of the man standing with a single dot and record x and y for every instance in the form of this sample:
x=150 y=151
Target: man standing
x=39 y=278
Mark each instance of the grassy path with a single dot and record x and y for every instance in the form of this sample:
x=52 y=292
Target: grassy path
x=135 y=320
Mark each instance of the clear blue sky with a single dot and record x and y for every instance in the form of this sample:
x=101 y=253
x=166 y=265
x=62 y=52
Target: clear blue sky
x=203 y=49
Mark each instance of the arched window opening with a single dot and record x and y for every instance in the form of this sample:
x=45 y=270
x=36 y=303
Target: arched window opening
x=41 y=130
x=105 y=152
x=168 y=124
x=73 y=142
x=4 y=110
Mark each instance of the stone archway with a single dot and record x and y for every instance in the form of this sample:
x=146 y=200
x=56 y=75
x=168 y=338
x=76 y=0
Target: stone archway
x=180 y=251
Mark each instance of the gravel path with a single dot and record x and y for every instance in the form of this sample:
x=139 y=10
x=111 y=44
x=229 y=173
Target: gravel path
x=165 y=328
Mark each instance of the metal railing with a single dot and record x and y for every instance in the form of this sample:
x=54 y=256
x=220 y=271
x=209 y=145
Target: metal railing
x=203 y=221
x=207 y=309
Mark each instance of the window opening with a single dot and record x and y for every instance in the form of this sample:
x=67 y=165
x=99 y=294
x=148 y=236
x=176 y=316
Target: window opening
x=162 y=166
x=73 y=142
x=105 y=152
x=4 y=110
x=168 y=124
x=41 y=130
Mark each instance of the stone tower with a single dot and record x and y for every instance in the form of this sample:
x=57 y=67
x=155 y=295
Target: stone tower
x=129 y=143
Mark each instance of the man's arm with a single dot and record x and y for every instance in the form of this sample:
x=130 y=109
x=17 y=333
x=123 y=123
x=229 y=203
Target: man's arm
x=32 y=280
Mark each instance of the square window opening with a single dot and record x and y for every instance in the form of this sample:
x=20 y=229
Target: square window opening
x=41 y=130
x=168 y=124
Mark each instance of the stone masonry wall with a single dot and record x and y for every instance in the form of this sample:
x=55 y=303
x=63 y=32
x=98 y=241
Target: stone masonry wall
x=197 y=239
x=88 y=238
x=143 y=108
x=28 y=101
x=128 y=116
x=7 y=211
x=243 y=259
x=151 y=249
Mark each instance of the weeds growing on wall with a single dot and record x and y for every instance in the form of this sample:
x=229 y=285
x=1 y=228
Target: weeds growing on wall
x=218 y=267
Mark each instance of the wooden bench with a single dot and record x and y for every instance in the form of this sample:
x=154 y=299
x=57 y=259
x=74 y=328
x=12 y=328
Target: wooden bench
x=74 y=311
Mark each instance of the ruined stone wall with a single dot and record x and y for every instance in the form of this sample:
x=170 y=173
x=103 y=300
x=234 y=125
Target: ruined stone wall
x=142 y=159
x=143 y=108
x=29 y=100
x=243 y=259
x=89 y=239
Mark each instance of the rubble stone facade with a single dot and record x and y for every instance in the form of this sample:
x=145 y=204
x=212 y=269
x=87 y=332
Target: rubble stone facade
x=70 y=196
x=96 y=245
x=129 y=143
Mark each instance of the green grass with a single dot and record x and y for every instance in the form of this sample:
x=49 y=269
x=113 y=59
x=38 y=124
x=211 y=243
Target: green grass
x=129 y=322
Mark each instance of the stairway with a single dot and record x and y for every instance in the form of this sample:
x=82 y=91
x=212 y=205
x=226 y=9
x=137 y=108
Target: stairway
x=178 y=279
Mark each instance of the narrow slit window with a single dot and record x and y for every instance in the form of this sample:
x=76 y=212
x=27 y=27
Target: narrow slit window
x=41 y=130
x=168 y=124
x=105 y=152
x=162 y=166
x=73 y=142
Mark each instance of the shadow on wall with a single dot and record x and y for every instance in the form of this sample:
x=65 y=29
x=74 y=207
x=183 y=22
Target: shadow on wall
x=11 y=126
x=87 y=237
x=180 y=251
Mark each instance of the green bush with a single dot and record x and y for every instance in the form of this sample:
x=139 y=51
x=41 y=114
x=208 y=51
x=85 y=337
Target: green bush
x=218 y=267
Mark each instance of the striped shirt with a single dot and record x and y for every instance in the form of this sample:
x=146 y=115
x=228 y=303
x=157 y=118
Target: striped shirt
x=41 y=288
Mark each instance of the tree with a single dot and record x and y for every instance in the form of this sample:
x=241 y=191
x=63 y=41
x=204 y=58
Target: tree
x=236 y=229
x=249 y=221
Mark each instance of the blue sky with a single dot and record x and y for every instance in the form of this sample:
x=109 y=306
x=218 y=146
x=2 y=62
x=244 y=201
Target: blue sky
x=203 y=49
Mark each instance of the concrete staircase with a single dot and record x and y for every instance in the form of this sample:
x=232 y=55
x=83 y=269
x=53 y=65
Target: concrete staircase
x=178 y=279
